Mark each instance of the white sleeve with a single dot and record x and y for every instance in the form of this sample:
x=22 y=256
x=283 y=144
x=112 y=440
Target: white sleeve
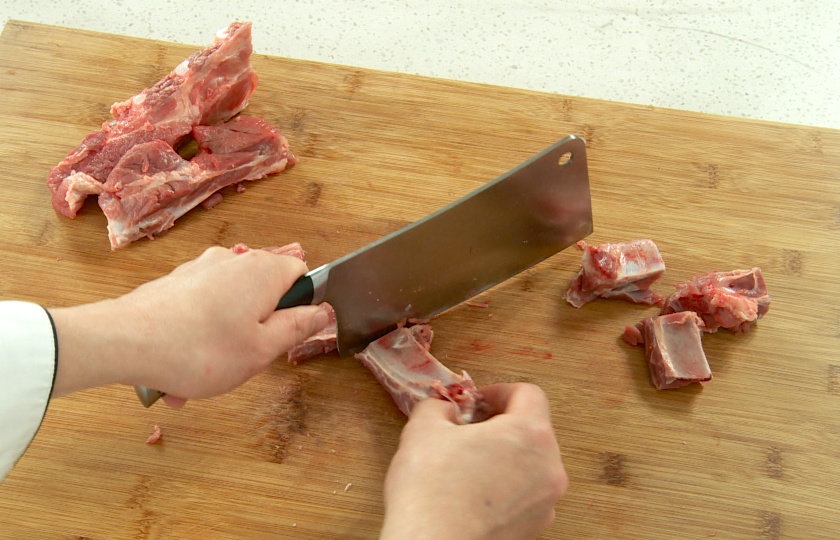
x=27 y=372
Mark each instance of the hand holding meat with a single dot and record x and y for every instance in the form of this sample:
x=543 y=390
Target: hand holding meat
x=497 y=479
x=200 y=331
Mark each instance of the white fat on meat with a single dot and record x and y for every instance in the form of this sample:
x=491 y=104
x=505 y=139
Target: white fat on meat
x=623 y=270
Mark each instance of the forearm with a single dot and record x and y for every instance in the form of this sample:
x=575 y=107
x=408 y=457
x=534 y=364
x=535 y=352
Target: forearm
x=97 y=345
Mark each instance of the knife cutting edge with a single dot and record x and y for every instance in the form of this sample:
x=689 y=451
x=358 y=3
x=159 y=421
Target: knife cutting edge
x=524 y=216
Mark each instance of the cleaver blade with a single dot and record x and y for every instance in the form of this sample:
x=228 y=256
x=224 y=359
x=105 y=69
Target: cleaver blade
x=524 y=216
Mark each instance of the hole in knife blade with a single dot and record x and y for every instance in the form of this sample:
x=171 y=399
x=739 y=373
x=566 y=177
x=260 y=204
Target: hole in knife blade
x=565 y=159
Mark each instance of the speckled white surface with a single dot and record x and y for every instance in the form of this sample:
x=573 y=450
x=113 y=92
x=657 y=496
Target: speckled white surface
x=775 y=60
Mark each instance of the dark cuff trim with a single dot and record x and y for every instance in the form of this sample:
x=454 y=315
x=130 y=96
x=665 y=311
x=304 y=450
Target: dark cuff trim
x=55 y=348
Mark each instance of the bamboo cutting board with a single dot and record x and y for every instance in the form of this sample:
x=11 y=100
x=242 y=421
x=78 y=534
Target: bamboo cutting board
x=301 y=452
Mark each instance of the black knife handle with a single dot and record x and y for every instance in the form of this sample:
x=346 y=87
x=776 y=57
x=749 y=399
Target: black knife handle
x=300 y=294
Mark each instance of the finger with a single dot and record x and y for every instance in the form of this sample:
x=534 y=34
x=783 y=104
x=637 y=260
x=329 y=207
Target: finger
x=174 y=402
x=277 y=274
x=522 y=399
x=434 y=410
x=289 y=327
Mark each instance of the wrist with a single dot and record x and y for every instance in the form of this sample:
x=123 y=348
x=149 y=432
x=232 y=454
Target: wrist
x=97 y=346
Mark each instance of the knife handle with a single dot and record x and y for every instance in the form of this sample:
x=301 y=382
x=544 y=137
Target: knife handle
x=300 y=294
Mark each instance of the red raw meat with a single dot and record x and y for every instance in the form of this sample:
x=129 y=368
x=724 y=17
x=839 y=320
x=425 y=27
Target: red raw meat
x=673 y=349
x=625 y=271
x=210 y=86
x=152 y=186
x=731 y=300
x=401 y=363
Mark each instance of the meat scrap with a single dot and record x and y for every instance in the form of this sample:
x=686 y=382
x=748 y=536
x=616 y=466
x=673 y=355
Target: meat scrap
x=731 y=300
x=624 y=271
x=131 y=163
x=673 y=349
x=401 y=363
x=155 y=437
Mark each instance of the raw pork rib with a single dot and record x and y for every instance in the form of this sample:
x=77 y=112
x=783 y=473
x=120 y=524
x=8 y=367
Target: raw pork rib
x=625 y=271
x=152 y=186
x=401 y=363
x=210 y=86
x=731 y=300
x=673 y=349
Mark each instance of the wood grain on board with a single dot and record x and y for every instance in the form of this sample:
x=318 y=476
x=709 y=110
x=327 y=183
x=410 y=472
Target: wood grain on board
x=301 y=452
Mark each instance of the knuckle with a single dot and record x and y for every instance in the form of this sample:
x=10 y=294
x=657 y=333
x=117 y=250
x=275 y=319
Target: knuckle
x=543 y=433
x=558 y=481
x=214 y=251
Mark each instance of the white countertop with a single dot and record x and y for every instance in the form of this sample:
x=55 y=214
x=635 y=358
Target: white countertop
x=779 y=61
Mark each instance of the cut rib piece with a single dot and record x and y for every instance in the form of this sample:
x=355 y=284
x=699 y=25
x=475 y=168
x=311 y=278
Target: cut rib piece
x=210 y=86
x=731 y=300
x=673 y=349
x=624 y=270
x=401 y=363
x=152 y=185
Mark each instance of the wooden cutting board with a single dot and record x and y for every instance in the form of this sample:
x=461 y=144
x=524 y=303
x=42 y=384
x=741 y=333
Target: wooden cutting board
x=301 y=452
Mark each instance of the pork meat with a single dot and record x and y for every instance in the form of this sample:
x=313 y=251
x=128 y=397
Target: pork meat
x=210 y=86
x=732 y=300
x=151 y=186
x=673 y=349
x=624 y=270
x=402 y=364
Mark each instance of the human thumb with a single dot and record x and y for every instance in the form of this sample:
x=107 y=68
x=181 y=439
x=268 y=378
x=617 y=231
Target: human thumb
x=292 y=326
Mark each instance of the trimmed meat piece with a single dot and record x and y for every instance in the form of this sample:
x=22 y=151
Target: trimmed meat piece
x=633 y=335
x=673 y=349
x=731 y=300
x=401 y=363
x=210 y=86
x=624 y=271
x=321 y=343
x=155 y=436
x=152 y=186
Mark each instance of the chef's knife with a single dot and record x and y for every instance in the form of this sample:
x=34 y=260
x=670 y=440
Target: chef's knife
x=536 y=209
